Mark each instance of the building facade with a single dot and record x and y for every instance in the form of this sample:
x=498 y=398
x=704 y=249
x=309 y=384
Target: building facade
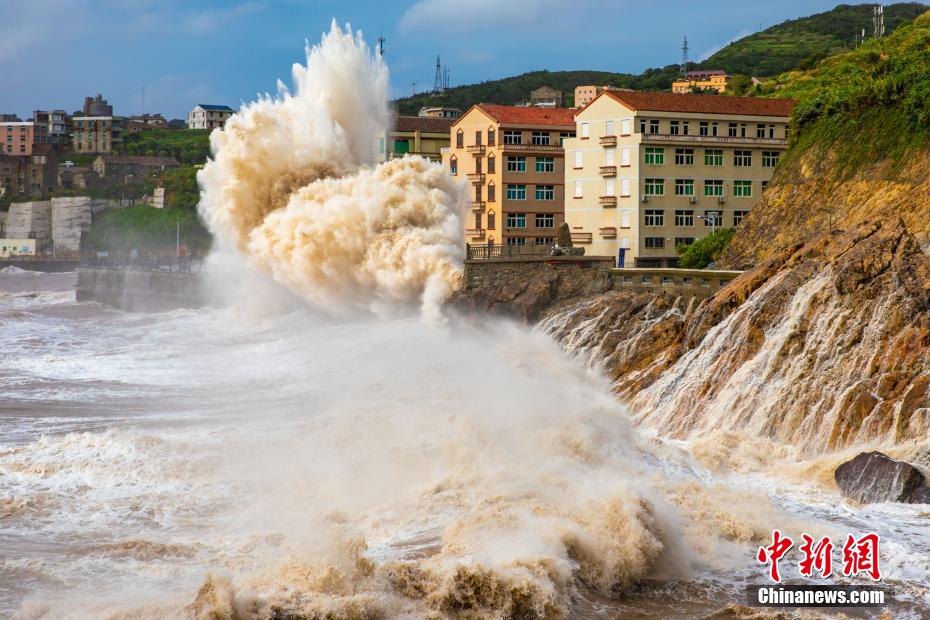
x=35 y=174
x=19 y=137
x=650 y=171
x=139 y=122
x=125 y=166
x=439 y=112
x=96 y=106
x=693 y=81
x=95 y=134
x=415 y=135
x=544 y=96
x=209 y=116
x=58 y=124
x=513 y=162
x=586 y=94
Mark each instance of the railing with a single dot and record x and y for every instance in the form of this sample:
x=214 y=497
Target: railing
x=475 y=232
x=63 y=257
x=486 y=251
x=582 y=237
x=475 y=148
x=608 y=140
x=477 y=205
x=608 y=171
x=149 y=261
x=608 y=232
x=544 y=148
x=608 y=201
x=476 y=177
x=663 y=137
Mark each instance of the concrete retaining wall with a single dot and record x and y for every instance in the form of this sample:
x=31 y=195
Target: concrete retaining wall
x=136 y=291
x=698 y=283
x=30 y=220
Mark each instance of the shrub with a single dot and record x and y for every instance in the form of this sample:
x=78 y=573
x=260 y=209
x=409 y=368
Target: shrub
x=704 y=251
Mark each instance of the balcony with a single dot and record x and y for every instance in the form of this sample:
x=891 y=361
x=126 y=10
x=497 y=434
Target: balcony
x=477 y=149
x=531 y=148
x=608 y=232
x=582 y=237
x=608 y=140
x=475 y=233
x=476 y=177
x=608 y=201
x=608 y=171
x=477 y=205
x=670 y=139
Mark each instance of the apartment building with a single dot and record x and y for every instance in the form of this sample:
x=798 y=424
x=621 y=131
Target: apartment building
x=19 y=137
x=586 y=94
x=209 y=116
x=415 y=135
x=702 y=80
x=513 y=161
x=650 y=171
x=32 y=175
x=95 y=134
x=58 y=123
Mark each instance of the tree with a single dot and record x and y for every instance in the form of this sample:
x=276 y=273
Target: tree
x=704 y=251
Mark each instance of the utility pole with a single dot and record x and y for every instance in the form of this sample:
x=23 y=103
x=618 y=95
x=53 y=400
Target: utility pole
x=177 y=238
x=381 y=41
x=878 y=21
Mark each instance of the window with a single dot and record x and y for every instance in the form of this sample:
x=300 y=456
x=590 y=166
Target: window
x=673 y=127
x=543 y=241
x=609 y=155
x=684 y=187
x=541 y=138
x=760 y=130
x=516 y=192
x=713 y=157
x=653 y=126
x=585 y=131
x=545 y=220
x=655 y=217
x=459 y=139
x=513 y=137
x=655 y=187
x=765 y=185
x=738 y=217
x=742 y=130
x=625 y=187
x=492 y=220
x=714 y=127
x=478 y=221
x=742 y=189
x=713 y=218
x=685 y=127
x=655 y=243
x=703 y=128
x=512 y=241
x=770 y=159
x=713 y=187
x=655 y=155
x=492 y=137
x=626 y=156
x=625 y=126
x=516 y=220
x=545 y=164
x=478 y=138
x=610 y=128
x=478 y=165
x=516 y=164
x=742 y=159
x=771 y=131
x=578 y=159
x=684 y=218
x=545 y=192
x=731 y=130
x=577 y=189
x=478 y=193
x=564 y=136
x=492 y=193
x=492 y=164
x=684 y=241
x=684 y=157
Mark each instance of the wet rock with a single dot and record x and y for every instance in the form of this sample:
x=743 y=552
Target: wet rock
x=921 y=495
x=875 y=477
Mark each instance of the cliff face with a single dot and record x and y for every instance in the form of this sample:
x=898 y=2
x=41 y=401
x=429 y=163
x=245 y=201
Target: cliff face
x=824 y=345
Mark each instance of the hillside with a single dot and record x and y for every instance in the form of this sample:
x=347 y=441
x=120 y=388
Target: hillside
x=783 y=47
x=772 y=51
x=861 y=147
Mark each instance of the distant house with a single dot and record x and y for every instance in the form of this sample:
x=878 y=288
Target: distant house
x=439 y=112
x=122 y=166
x=416 y=135
x=33 y=175
x=546 y=97
x=209 y=116
x=145 y=121
x=702 y=81
x=96 y=134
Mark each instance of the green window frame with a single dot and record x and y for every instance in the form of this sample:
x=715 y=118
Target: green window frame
x=655 y=155
x=545 y=164
x=516 y=192
x=654 y=187
x=713 y=157
x=684 y=187
x=742 y=189
x=713 y=187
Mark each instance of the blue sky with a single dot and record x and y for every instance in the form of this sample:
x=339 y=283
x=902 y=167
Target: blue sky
x=55 y=52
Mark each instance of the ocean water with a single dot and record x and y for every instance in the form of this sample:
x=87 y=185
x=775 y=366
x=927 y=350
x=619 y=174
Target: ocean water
x=261 y=455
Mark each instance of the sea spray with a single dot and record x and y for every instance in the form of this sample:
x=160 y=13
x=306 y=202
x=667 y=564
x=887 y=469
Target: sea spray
x=293 y=184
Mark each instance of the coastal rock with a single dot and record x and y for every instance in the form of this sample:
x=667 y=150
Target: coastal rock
x=921 y=495
x=875 y=477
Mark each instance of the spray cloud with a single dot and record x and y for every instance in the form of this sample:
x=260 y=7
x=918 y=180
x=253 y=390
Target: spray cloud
x=293 y=185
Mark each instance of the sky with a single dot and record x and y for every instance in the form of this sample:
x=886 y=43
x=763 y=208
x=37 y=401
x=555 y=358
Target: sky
x=184 y=52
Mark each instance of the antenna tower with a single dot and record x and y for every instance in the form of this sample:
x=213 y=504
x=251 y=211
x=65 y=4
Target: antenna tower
x=878 y=21
x=438 y=81
x=684 y=57
x=445 y=77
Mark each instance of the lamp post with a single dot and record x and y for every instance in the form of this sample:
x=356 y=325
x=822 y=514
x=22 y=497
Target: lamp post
x=710 y=216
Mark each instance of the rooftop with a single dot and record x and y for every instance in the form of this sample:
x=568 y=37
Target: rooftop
x=520 y=115
x=703 y=73
x=430 y=124
x=214 y=107
x=702 y=104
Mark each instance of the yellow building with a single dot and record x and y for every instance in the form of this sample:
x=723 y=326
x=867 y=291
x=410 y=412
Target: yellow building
x=650 y=171
x=586 y=94
x=415 y=135
x=702 y=80
x=17 y=247
x=513 y=161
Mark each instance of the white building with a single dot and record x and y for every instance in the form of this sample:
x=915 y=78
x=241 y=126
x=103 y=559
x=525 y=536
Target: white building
x=208 y=116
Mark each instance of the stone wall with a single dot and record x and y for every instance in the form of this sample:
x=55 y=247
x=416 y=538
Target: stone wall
x=138 y=291
x=696 y=283
x=71 y=218
x=62 y=220
x=30 y=220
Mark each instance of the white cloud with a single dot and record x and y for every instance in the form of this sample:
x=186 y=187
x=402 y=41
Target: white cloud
x=210 y=20
x=456 y=15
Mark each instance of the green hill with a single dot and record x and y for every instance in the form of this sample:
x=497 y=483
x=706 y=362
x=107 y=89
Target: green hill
x=769 y=52
x=805 y=40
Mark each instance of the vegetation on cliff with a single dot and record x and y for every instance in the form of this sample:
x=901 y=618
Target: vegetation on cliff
x=146 y=228
x=704 y=251
x=188 y=146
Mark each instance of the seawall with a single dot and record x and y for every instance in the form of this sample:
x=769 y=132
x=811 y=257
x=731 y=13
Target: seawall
x=135 y=290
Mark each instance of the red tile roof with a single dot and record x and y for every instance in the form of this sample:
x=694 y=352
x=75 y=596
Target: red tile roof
x=702 y=104
x=520 y=115
x=427 y=124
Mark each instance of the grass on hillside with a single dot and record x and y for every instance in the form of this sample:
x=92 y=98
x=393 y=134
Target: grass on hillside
x=146 y=228
x=188 y=146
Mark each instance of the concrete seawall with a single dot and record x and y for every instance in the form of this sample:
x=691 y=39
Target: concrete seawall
x=135 y=290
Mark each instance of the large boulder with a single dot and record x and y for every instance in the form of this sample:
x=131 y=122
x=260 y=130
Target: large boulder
x=921 y=495
x=875 y=477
